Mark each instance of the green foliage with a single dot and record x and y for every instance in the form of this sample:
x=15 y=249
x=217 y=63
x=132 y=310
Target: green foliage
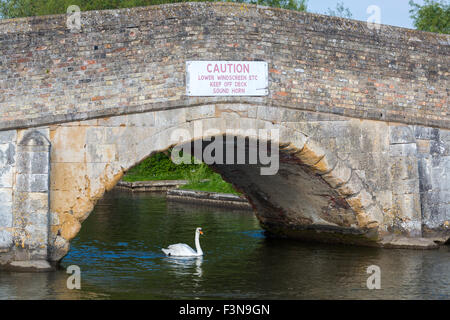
x=340 y=11
x=27 y=8
x=198 y=173
x=299 y=5
x=204 y=179
x=160 y=167
x=432 y=16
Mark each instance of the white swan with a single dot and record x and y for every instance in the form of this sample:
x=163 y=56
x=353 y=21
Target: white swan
x=183 y=250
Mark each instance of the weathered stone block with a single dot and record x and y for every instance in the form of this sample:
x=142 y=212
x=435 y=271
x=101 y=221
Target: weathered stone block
x=54 y=219
x=141 y=120
x=405 y=186
x=408 y=206
x=8 y=136
x=370 y=217
x=426 y=133
x=62 y=201
x=403 y=150
x=23 y=162
x=39 y=201
x=95 y=135
x=270 y=113
x=424 y=171
x=423 y=146
x=339 y=175
x=32 y=182
x=404 y=168
x=58 y=248
x=353 y=186
x=5 y=195
x=32 y=162
x=40 y=163
x=37 y=235
x=123 y=135
x=33 y=136
x=434 y=212
x=170 y=118
x=114 y=121
x=6 y=217
x=104 y=153
x=327 y=163
x=39 y=219
x=5 y=238
x=62 y=150
x=401 y=135
x=67 y=176
x=7 y=153
x=384 y=198
x=311 y=153
x=294 y=139
x=6 y=177
x=361 y=201
x=439 y=148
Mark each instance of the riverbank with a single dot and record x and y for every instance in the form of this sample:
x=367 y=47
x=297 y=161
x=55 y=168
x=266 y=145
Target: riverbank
x=174 y=192
x=160 y=169
x=209 y=198
x=150 y=186
x=194 y=183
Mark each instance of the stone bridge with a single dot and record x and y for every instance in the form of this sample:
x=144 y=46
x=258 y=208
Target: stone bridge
x=363 y=117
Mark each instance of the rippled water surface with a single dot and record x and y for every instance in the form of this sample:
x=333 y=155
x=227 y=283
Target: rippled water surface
x=119 y=253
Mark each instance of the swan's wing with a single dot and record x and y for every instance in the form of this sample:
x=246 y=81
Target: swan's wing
x=179 y=249
x=182 y=248
x=178 y=245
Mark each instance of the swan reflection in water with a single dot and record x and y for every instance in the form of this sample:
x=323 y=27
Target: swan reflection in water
x=185 y=265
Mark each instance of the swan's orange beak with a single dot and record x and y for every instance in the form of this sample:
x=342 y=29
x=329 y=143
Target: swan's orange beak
x=201 y=232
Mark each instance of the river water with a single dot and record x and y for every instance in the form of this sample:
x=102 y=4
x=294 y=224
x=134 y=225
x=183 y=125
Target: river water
x=119 y=254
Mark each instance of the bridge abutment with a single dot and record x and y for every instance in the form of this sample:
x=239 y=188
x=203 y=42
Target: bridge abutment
x=7 y=168
x=28 y=223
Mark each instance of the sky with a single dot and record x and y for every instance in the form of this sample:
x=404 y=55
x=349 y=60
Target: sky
x=393 y=12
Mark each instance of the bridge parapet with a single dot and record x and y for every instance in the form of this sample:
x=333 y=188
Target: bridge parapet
x=133 y=60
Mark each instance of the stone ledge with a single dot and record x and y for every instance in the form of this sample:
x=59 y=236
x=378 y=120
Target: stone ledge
x=211 y=198
x=323 y=233
x=98 y=19
x=394 y=242
x=341 y=235
x=29 y=266
x=155 y=186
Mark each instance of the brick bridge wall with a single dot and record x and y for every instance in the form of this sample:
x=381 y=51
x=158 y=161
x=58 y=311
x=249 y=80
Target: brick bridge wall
x=133 y=60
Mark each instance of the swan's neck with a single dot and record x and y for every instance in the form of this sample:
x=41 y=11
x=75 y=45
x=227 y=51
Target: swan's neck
x=197 y=244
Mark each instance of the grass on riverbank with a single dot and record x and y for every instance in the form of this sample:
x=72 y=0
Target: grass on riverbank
x=204 y=179
x=144 y=177
x=160 y=167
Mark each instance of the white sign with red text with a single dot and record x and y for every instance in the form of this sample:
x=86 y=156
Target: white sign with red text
x=227 y=78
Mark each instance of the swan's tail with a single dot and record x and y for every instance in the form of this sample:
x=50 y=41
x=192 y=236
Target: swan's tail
x=166 y=251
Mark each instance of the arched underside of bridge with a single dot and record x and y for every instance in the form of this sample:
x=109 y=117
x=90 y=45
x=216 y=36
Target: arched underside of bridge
x=309 y=201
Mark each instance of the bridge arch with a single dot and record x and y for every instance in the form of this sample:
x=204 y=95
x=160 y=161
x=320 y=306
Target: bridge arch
x=326 y=199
